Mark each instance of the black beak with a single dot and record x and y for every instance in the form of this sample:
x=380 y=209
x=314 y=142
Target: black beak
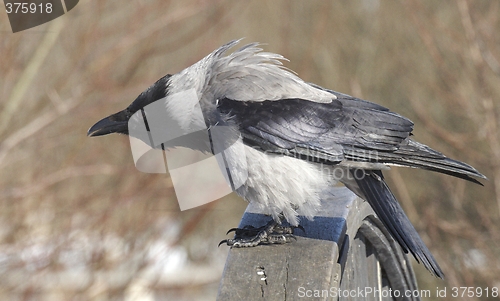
x=116 y=123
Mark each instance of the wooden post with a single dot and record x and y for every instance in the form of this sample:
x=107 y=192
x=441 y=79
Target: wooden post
x=344 y=252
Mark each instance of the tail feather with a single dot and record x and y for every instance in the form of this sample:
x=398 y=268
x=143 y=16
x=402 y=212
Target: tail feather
x=446 y=166
x=376 y=192
x=417 y=155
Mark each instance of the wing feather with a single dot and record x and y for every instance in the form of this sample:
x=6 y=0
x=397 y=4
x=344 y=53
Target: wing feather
x=346 y=129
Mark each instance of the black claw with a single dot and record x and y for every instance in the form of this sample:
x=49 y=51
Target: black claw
x=271 y=233
x=301 y=228
x=222 y=242
x=251 y=230
x=232 y=230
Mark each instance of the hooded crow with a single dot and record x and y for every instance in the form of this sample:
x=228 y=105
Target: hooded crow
x=291 y=132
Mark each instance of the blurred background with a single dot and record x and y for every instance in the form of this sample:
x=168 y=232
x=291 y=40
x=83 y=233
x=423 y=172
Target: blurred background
x=79 y=222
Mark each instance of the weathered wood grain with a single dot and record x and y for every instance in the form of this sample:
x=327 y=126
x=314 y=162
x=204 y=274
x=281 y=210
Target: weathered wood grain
x=339 y=250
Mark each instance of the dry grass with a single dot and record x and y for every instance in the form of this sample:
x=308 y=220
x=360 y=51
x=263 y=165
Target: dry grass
x=78 y=222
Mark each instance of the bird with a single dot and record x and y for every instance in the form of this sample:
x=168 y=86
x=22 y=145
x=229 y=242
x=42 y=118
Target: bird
x=288 y=132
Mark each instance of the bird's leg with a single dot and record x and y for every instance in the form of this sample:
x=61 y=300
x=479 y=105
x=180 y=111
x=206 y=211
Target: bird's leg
x=271 y=233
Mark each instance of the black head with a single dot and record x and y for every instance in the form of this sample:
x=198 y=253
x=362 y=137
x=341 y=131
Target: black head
x=118 y=122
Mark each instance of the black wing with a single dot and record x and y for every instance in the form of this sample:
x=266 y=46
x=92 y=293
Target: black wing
x=347 y=129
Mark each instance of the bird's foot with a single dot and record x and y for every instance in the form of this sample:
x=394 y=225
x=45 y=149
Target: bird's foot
x=271 y=233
